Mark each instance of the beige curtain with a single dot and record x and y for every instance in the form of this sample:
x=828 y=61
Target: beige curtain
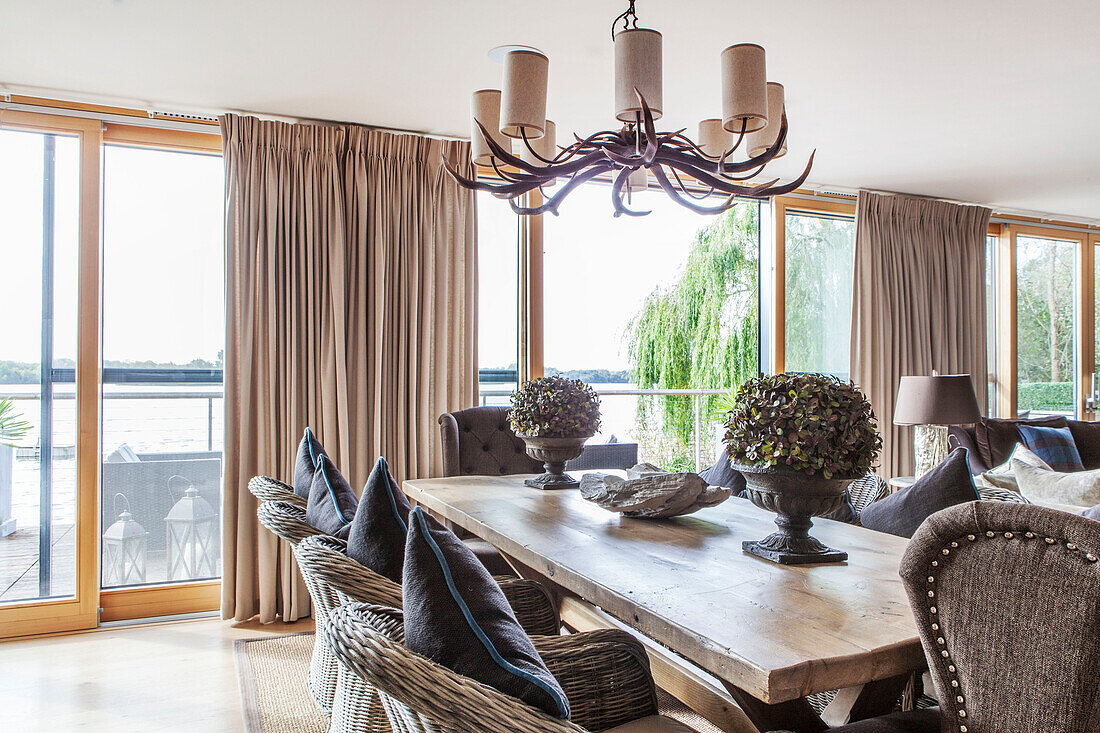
x=918 y=303
x=351 y=307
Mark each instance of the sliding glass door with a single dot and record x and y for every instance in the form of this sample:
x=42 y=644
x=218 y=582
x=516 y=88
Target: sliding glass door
x=163 y=336
x=48 y=198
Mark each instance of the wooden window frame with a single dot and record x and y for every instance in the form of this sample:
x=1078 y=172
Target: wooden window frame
x=80 y=611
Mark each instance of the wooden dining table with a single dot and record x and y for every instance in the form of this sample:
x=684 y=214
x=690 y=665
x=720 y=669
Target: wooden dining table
x=772 y=634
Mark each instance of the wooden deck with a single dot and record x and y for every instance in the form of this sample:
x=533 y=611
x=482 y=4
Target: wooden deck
x=19 y=563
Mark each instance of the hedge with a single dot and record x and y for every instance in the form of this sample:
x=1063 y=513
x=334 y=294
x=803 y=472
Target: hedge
x=1045 y=396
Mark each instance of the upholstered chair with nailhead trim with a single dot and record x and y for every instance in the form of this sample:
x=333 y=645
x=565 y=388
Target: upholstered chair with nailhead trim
x=1007 y=601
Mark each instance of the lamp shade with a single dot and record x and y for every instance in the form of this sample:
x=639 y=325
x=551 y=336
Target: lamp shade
x=714 y=140
x=765 y=137
x=485 y=108
x=638 y=65
x=943 y=399
x=744 y=88
x=523 y=104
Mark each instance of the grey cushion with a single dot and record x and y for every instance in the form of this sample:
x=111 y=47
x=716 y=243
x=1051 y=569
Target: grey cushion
x=305 y=463
x=1081 y=488
x=901 y=513
x=332 y=503
x=1093 y=513
x=457 y=616
x=722 y=474
x=1018 y=616
x=377 y=535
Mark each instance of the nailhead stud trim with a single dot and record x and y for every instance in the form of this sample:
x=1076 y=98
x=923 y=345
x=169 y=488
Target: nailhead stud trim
x=1090 y=557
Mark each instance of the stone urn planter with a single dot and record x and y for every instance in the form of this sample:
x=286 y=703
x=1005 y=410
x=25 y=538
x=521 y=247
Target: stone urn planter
x=796 y=497
x=554 y=452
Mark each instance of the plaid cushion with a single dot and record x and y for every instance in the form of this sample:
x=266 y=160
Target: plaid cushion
x=1054 y=445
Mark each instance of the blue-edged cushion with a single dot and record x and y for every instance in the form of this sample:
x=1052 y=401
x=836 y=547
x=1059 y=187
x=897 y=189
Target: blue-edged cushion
x=305 y=464
x=946 y=485
x=378 y=531
x=1093 y=513
x=1054 y=445
x=457 y=616
x=332 y=503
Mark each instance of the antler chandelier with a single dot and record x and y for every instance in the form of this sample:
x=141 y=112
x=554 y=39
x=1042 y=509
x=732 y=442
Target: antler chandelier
x=753 y=116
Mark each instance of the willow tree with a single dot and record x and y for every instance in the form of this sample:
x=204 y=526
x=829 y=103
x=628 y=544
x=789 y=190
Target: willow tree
x=700 y=331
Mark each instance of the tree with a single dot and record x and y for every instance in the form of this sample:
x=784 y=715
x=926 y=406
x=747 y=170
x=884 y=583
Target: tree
x=700 y=332
x=1045 y=323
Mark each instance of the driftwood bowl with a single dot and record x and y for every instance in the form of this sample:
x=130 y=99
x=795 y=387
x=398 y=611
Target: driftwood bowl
x=652 y=495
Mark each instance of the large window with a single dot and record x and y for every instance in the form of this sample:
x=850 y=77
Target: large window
x=818 y=269
x=498 y=299
x=1046 y=325
x=656 y=313
x=163 y=338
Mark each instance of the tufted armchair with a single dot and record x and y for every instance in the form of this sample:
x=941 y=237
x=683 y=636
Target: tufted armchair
x=480 y=442
x=1007 y=601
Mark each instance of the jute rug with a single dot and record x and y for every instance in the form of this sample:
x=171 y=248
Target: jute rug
x=272 y=673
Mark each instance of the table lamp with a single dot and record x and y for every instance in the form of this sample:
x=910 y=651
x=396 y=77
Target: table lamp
x=931 y=404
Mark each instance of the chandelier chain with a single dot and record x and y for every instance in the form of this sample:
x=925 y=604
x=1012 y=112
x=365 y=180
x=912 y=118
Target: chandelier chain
x=629 y=17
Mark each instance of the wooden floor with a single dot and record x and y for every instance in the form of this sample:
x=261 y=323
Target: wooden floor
x=155 y=678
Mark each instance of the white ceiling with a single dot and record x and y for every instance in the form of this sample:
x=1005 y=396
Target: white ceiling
x=988 y=101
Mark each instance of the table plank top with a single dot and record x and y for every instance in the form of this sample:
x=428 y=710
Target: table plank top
x=778 y=632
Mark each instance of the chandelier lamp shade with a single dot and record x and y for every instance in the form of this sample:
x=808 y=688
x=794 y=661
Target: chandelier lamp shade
x=727 y=161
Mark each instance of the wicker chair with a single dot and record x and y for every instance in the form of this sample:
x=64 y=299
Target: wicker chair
x=286 y=521
x=605 y=675
x=334 y=579
x=266 y=488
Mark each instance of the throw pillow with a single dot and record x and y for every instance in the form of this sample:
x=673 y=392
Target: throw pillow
x=457 y=616
x=1093 y=513
x=722 y=474
x=996 y=437
x=332 y=503
x=305 y=464
x=376 y=539
x=1086 y=436
x=1054 y=445
x=1080 y=488
x=946 y=485
x=1002 y=477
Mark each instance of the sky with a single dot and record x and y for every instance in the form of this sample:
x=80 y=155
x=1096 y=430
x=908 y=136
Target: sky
x=598 y=271
x=163 y=254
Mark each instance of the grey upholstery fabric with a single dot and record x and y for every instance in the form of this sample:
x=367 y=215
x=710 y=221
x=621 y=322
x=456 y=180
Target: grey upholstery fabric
x=960 y=436
x=1007 y=602
x=480 y=442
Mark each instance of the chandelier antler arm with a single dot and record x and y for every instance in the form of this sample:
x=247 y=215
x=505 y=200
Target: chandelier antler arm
x=669 y=189
x=686 y=191
x=617 y=195
x=653 y=144
x=554 y=202
x=704 y=177
x=545 y=173
x=793 y=185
